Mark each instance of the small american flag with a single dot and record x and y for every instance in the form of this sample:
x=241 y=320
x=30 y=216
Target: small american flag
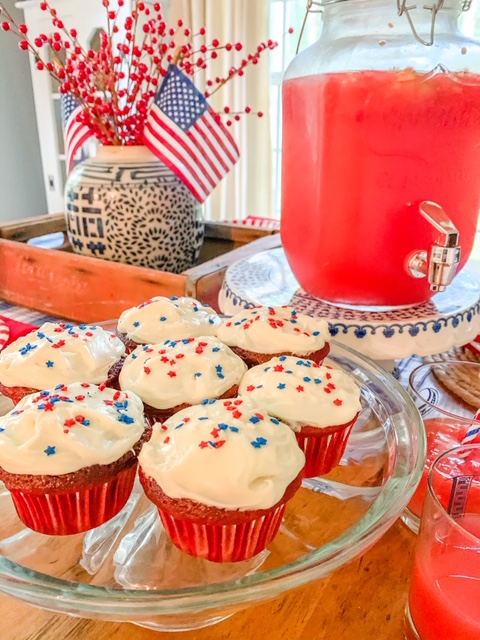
x=75 y=133
x=184 y=132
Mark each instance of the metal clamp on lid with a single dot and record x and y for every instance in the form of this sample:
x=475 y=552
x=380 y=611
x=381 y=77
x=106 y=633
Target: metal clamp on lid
x=441 y=266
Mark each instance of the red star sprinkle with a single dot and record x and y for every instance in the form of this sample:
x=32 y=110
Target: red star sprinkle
x=79 y=398
x=179 y=355
x=219 y=444
x=259 y=416
x=102 y=386
x=215 y=432
x=49 y=406
x=338 y=402
x=237 y=414
x=199 y=350
x=250 y=387
x=278 y=367
x=85 y=385
x=164 y=359
x=69 y=422
x=147 y=370
x=237 y=402
x=117 y=395
x=172 y=374
x=79 y=418
x=328 y=375
x=327 y=390
x=330 y=385
x=300 y=388
x=203 y=444
x=167 y=440
x=89 y=334
x=164 y=427
x=58 y=344
x=186 y=419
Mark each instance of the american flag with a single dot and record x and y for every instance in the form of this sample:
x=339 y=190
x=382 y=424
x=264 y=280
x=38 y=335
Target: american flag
x=75 y=133
x=184 y=132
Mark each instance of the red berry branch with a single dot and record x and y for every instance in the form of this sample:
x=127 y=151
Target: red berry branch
x=116 y=84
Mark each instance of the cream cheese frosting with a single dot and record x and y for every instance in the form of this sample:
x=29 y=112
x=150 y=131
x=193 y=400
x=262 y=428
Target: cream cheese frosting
x=60 y=353
x=301 y=392
x=274 y=330
x=160 y=318
x=181 y=371
x=223 y=453
x=68 y=428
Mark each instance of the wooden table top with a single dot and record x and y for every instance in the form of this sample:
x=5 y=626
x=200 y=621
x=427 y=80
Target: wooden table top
x=364 y=600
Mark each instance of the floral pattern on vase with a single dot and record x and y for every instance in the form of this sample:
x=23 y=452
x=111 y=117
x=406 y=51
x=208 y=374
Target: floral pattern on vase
x=125 y=205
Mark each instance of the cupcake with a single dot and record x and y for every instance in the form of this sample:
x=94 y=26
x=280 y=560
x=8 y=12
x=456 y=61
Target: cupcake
x=321 y=405
x=262 y=333
x=69 y=456
x=220 y=475
x=170 y=376
x=161 y=318
x=59 y=353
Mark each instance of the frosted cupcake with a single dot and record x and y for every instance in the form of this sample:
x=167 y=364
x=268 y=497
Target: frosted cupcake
x=321 y=404
x=170 y=376
x=161 y=318
x=60 y=353
x=68 y=456
x=262 y=333
x=221 y=474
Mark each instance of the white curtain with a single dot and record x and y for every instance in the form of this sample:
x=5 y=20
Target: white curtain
x=247 y=189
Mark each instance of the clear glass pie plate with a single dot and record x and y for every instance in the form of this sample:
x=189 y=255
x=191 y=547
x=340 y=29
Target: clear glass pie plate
x=127 y=570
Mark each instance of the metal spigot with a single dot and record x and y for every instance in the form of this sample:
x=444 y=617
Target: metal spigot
x=440 y=266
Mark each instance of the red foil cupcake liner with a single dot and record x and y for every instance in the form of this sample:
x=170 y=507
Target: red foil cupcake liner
x=323 y=448
x=61 y=514
x=223 y=543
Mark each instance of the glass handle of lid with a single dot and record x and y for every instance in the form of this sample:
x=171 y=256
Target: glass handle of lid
x=439 y=264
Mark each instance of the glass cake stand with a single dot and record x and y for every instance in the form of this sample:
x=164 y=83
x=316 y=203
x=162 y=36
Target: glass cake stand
x=127 y=570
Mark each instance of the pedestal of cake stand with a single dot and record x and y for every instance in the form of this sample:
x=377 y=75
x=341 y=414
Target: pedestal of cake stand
x=449 y=319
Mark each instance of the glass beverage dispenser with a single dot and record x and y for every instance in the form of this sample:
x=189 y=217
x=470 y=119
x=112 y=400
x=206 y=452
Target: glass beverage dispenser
x=381 y=153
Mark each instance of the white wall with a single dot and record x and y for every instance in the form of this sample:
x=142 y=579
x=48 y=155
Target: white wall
x=22 y=191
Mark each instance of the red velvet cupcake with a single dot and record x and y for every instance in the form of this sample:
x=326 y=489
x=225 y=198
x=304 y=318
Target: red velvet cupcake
x=161 y=318
x=69 y=456
x=221 y=475
x=173 y=375
x=320 y=403
x=60 y=353
x=257 y=335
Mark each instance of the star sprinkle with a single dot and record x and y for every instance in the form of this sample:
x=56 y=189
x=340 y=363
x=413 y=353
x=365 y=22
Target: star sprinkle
x=50 y=450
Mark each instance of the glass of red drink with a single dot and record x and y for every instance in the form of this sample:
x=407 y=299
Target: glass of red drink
x=444 y=393
x=445 y=586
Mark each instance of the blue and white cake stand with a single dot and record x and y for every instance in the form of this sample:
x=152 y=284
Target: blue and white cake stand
x=449 y=319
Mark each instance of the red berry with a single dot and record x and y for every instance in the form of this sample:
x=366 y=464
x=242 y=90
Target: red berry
x=5 y=26
x=23 y=28
x=23 y=44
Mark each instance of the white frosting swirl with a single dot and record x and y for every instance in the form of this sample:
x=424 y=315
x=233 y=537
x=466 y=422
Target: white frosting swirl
x=60 y=353
x=223 y=453
x=274 y=330
x=181 y=371
x=68 y=428
x=301 y=392
x=160 y=318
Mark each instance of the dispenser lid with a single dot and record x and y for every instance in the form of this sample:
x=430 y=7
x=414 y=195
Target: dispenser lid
x=449 y=319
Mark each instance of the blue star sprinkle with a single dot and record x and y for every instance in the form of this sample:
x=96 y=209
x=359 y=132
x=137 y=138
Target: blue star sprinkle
x=50 y=450
x=258 y=442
